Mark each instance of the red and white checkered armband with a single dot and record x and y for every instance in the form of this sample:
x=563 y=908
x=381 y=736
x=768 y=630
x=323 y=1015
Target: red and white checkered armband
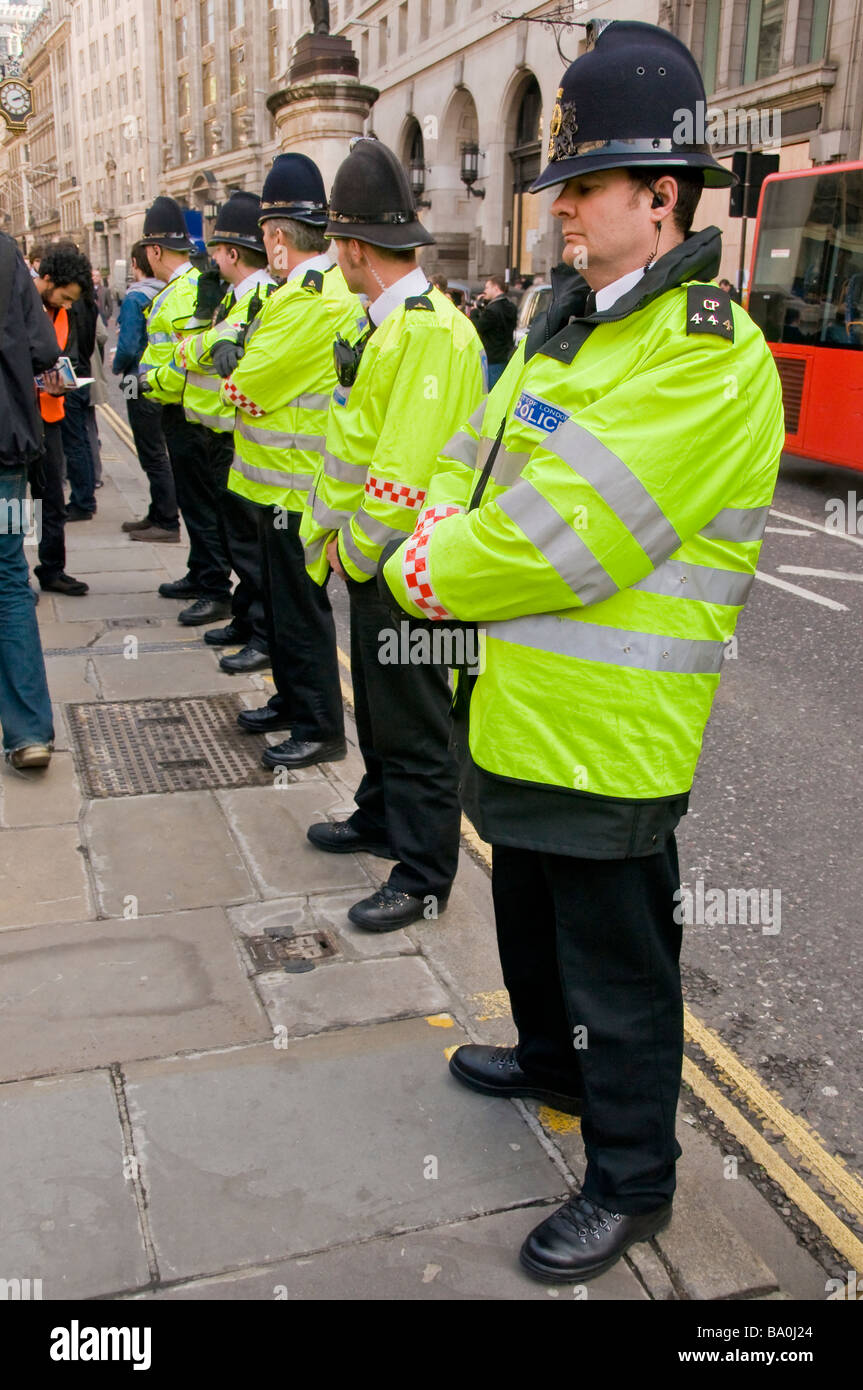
x=399 y=494
x=241 y=401
x=415 y=568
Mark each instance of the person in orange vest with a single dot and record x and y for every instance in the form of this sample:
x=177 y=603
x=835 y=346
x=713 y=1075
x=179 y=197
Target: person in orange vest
x=61 y=280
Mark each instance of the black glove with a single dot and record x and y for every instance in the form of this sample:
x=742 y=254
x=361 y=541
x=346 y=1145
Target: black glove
x=226 y=355
x=211 y=291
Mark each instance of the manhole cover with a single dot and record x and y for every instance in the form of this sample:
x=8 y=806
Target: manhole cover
x=280 y=949
x=134 y=747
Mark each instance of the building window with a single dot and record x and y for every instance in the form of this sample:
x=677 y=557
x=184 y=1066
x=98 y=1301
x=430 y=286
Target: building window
x=274 y=45
x=710 y=46
x=108 y=102
x=383 y=35
x=208 y=84
x=103 y=9
x=236 y=13
x=764 y=26
x=238 y=71
x=127 y=186
x=403 y=27
x=449 y=13
x=119 y=41
x=133 y=32
x=208 y=23
x=812 y=18
x=94 y=56
x=106 y=50
x=122 y=90
x=181 y=36
x=142 y=185
x=212 y=137
x=136 y=82
x=183 y=96
x=526 y=162
x=97 y=102
x=425 y=19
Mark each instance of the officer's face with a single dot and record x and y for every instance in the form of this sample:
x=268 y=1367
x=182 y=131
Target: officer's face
x=607 y=225
x=226 y=259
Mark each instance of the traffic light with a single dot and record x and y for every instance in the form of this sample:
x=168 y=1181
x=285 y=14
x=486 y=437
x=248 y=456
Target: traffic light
x=760 y=165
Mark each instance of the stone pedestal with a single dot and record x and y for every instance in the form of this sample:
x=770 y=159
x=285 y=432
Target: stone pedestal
x=324 y=104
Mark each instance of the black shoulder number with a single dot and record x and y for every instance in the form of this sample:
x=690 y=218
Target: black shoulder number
x=419 y=301
x=313 y=280
x=708 y=310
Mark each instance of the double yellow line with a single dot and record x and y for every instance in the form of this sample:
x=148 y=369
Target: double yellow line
x=796 y=1134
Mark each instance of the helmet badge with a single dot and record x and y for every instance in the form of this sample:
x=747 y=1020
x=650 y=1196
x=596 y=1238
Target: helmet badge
x=562 y=129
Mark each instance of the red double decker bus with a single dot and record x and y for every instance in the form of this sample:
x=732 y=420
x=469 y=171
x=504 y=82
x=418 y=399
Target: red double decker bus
x=806 y=295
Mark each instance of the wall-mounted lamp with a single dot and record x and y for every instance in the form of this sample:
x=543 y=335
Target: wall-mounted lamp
x=417 y=173
x=470 y=170
x=211 y=210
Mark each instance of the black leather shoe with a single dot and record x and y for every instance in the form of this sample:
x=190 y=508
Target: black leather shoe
x=64 y=584
x=298 y=753
x=249 y=659
x=582 y=1240
x=339 y=837
x=388 y=910
x=265 y=720
x=180 y=588
x=494 y=1071
x=230 y=636
x=78 y=513
x=204 y=610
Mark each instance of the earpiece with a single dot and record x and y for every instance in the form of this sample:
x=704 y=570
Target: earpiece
x=657 y=201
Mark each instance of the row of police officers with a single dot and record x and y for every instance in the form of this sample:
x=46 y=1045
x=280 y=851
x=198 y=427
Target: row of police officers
x=599 y=515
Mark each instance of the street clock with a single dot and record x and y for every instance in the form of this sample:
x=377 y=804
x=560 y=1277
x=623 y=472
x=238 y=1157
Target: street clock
x=16 y=102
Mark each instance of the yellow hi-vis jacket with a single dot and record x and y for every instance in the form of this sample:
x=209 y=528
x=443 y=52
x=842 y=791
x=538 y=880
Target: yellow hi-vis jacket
x=616 y=541
x=422 y=371
x=171 y=317
x=281 y=388
x=202 y=392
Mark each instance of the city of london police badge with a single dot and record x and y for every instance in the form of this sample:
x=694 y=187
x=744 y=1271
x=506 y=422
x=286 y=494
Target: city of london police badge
x=562 y=130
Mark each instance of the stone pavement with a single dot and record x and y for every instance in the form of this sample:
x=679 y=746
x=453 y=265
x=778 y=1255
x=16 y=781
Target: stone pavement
x=182 y=1120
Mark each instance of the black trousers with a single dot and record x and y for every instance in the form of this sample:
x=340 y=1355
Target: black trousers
x=239 y=519
x=301 y=631
x=590 y=954
x=145 y=422
x=198 y=461
x=80 y=464
x=46 y=485
x=409 y=793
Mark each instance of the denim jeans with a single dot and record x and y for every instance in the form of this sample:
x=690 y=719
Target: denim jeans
x=80 y=466
x=25 y=706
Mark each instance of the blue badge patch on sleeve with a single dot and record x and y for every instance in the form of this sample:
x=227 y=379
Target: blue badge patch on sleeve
x=539 y=413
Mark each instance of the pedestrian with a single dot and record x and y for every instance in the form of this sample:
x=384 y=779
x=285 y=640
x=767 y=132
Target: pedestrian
x=191 y=448
x=64 y=276
x=494 y=319
x=606 y=541
x=74 y=426
x=237 y=248
x=281 y=389
x=162 y=522
x=404 y=389
x=28 y=346
x=98 y=396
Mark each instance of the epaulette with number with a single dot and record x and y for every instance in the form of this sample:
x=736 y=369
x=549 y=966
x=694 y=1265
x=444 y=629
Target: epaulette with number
x=313 y=280
x=419 y=301
x=708 y=310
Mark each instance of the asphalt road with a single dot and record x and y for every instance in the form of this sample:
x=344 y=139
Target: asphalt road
x=777 y=807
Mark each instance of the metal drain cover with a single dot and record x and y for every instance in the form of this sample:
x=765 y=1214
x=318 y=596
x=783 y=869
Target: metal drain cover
x=282 y=950
x=136 y=747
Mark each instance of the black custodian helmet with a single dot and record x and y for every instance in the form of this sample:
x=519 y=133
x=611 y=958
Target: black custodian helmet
x=632 y=101
x=372 y=200
x=237 y=223
x=294 y=188
x=164 y=225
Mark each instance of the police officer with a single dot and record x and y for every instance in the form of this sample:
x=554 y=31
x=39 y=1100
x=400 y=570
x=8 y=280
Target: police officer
x=194 y=452
x=405 y=387
x=607 y=546
x=281 y=390
x=237 y=247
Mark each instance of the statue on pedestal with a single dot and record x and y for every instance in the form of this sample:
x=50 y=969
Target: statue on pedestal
x=320 y=16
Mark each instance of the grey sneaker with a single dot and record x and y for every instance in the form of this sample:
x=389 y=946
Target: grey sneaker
x=31 y=755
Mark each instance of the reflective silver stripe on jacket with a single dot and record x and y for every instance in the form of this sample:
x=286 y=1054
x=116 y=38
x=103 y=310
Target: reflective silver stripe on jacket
x=619 y=488
x=271 y=476
x=736 y=524
x=273 y=439
x=204 y=383
x=612 y=646
x=221 y=424
x=462 y=447
x=324 y=516
x=315 y=549
x=161 y=338
x=379 y=532
x=361 y=561
x=311 y=402
x=558 y=543
x=343 y=471
x=698 y=582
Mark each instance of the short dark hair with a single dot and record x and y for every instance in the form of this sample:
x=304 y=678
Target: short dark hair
x=441 y=282
x=255 y=260
x=64 y=265
x=138 y=256
x=498 y=282
x=396 y=253
x=690 y=186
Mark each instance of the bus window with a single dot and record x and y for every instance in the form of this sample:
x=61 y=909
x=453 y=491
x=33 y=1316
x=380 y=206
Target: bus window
x=807 y=285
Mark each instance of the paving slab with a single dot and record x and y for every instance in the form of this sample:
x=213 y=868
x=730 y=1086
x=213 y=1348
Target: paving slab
x=326 y=912
x=43 y=877
x=341 y=993
x=165 y=852
x=45 y=611
x=92 y=606
x=65 y=635
x=137 y=581
x=154 y=633
x=270 y=825
x=67 y=1213
x=710 y=1258
x=319 y=1144
x=72 y=678
x=460 y=1261
x=118 y=558
x=155 y=674
x=97 y=537
x=104 y=992
x=44 y=796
